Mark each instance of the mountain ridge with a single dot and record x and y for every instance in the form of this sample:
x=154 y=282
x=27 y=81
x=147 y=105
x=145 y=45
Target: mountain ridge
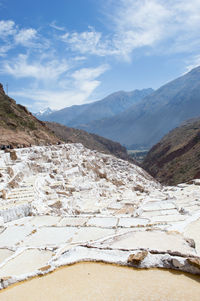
x=144 y=123
x=109 y=106
x=175 y=159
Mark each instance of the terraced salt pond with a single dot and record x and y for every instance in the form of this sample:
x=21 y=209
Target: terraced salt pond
x=64 y=204
x=96 y=281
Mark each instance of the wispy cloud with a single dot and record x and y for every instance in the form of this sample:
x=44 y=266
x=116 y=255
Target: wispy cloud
x=141 y=23
x=192 y=63
x=25 y=36
x=7 y=28
x=77 y=87
x=55 y=26
x=46 y=71
x=89 y=42
x=12 y=36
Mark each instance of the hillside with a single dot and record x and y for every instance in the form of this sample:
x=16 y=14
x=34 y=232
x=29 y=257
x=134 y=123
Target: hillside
x=147 y=121
x=108 y=107
x=91 y=141
x=19 y=127
x=175 y=159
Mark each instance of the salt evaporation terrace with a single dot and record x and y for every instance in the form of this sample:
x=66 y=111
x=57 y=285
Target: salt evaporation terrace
x=65 y=204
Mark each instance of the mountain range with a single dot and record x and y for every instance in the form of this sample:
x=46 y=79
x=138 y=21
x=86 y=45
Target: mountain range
x=108 y=107
x=144 y=121
x=19 y=128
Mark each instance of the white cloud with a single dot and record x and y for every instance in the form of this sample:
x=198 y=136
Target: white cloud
x=7 y=28
x=21 y=68
x=25 y=36
x=12 y=36
x=4 y=49
x=78 y=87
x=90 y=42
x=53 y=25
x=150 y=22
x=193 y=63
x=142 y=23
x=89 y=73
x=85 y=79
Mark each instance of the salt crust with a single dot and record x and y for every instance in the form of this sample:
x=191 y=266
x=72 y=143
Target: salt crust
x=64 y=204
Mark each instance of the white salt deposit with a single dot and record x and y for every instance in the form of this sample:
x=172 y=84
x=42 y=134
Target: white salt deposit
x=78 y=204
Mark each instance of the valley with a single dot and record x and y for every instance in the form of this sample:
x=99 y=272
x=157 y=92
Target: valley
x=100 y=150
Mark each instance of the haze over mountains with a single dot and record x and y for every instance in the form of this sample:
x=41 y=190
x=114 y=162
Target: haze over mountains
x=18 y=127
x=143 y=123
x=110 y=106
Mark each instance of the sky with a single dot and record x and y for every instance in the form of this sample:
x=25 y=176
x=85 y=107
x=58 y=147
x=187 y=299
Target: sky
x=70 y=52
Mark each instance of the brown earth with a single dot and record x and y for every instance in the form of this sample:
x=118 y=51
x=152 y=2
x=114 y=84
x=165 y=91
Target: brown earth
x=19 y=127
x=91 y=141
x=175 y=159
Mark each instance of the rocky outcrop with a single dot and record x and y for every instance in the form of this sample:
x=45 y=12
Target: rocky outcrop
x=194 y=262
x=136 y=259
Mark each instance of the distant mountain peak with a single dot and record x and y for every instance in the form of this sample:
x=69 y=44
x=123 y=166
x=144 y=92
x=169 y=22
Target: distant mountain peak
x=44 y=112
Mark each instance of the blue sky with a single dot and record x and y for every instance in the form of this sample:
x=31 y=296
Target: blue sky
x=59 y=53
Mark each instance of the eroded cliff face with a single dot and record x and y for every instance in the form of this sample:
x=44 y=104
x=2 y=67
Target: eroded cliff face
x=175 y=159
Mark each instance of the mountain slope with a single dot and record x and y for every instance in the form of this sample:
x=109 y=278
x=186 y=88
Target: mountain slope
x=107 y=107
x=144 y=123
x=19 y=127
x=90 y=141
x=175 y=159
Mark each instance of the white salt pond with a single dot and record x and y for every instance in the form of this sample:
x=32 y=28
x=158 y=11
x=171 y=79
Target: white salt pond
x=25 y=263
x=65 y=204
x=193 y=231
x=96 y=281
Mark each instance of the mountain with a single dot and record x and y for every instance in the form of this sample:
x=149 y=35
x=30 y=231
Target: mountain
x=91 y=141
x=147 y=121
x=110 y=106
x=175 y=159
x=44 y=112
x=19 y=127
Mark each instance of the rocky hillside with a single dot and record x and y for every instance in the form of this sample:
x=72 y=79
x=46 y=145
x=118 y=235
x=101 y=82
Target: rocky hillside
x=148 y=120
x=19 y=127
x=91 y=141
x=175 y=159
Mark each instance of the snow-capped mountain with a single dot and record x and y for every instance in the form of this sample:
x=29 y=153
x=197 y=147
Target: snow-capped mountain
x=44 y=112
